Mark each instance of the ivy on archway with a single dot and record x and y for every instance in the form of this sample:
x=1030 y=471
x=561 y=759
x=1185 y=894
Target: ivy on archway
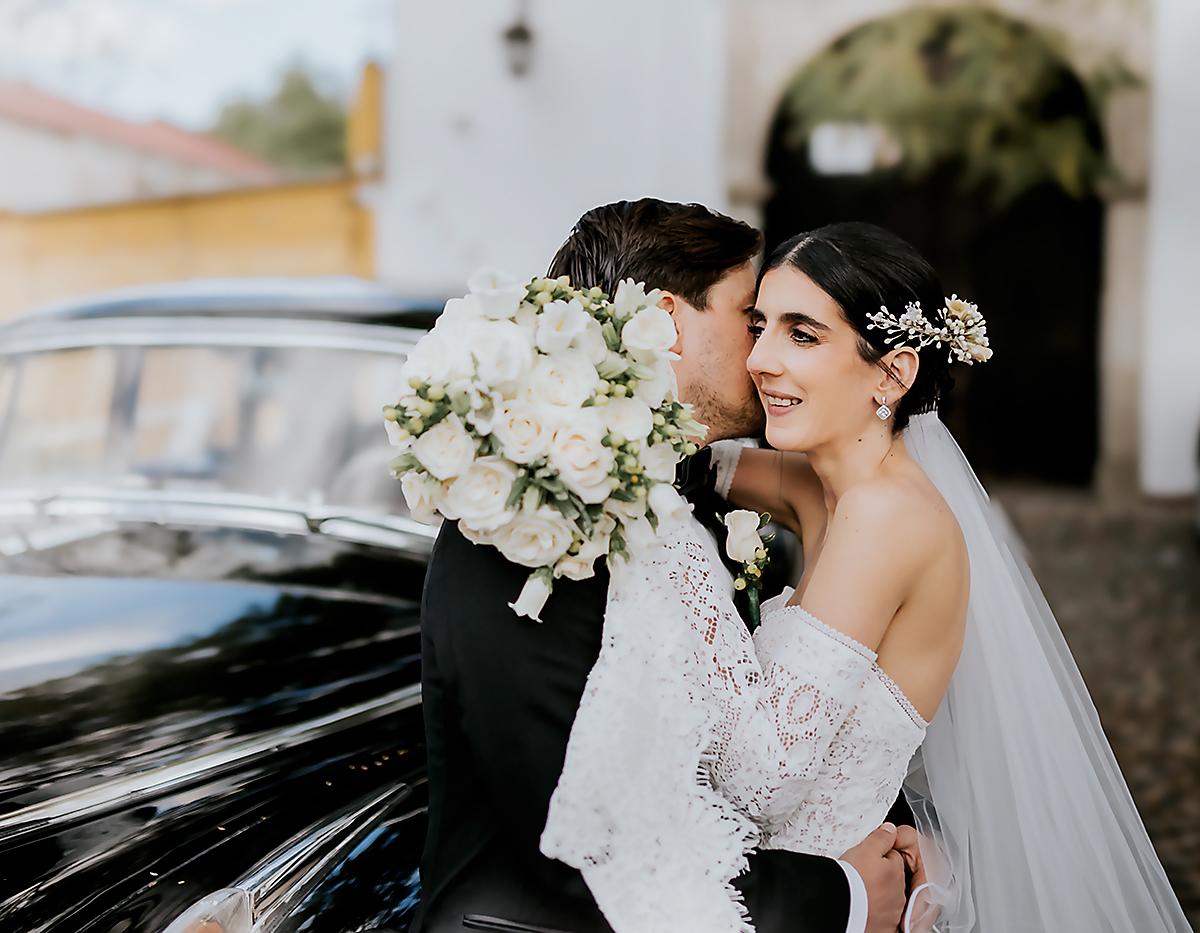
x=967 y=86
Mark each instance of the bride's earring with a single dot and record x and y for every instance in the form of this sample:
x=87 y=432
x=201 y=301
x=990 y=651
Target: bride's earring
x=883 y=412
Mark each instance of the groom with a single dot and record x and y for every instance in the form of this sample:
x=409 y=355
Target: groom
x=500 y=692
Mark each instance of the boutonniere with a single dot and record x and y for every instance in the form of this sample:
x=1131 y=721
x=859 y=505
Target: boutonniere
x=744 y=545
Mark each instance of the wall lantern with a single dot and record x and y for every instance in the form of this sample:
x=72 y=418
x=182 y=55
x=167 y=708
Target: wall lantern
x=518 y=44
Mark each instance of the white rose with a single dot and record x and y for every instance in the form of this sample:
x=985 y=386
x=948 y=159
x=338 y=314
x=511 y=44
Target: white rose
x=662 y=383
x=743 y=540
x=479 y=495
x=668 y=505
x=533 y=597
x=560 y=324
x=485 y=409
x=592 y=342
x=438 y=360
x=625 y=511
x=650 y=331
x=534 y=539
x=578 y=453
x=524 y=431
x=498 y=293
x=475 y=536
x=458 y=311
x=423 y=495
x=659 y=461
x=627 y=418
x=566 y=379
x=446 y=449
x=502 y=351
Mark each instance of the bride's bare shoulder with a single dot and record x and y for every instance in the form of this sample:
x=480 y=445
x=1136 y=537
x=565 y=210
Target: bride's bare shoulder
x=904 y=507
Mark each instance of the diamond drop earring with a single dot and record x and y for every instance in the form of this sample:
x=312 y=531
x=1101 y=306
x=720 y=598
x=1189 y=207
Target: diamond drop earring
x=883 y=412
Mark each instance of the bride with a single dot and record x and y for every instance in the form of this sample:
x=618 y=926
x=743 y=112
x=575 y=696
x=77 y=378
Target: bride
x=915 y=652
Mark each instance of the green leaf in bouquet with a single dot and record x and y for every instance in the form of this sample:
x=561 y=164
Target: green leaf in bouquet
x=652 y=519
x=520 y=484
x=405 y=463
x=460 y=403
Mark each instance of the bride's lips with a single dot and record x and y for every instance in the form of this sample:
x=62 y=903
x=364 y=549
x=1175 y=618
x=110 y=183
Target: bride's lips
x=778 y=404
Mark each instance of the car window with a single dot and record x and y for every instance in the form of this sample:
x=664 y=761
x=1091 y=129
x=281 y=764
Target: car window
x=59 y=419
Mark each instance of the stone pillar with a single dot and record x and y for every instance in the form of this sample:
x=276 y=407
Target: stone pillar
x=1170 y=403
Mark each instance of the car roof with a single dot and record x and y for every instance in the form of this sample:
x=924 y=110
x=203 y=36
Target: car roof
x=328 y=298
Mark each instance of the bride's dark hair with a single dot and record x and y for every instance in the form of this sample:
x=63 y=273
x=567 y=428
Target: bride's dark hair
x=861 y=266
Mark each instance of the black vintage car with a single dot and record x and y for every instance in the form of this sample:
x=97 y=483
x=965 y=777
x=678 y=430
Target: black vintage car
x=209 y=584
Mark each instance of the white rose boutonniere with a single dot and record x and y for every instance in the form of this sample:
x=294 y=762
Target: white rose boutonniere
x=746 y=546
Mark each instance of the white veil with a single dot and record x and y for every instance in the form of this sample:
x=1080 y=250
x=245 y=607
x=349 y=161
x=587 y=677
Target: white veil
x=1025 y=819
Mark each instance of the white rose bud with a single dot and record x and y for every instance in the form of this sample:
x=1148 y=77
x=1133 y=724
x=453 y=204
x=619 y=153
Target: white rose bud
x=652 y=331
x=566 y=379
x=534 y=539
x=524 y=431
x=423 y=495
x=533 y=597
x=743 y=540
x=498 y=293
x=628 y=418
x=479 y=495
x=578 y=453
x=668 y=506
x=446 y=449
x=629 y=297
x=475 y=536
x=502 y=351
x=560 y=324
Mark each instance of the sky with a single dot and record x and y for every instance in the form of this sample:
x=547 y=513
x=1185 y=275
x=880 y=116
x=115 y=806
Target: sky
x=180 y=59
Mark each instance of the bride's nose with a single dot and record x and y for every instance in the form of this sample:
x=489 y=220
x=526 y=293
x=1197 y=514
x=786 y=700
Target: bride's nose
x=763 y=360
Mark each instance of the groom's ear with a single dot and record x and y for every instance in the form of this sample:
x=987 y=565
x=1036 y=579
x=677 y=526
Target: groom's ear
x=674 y=306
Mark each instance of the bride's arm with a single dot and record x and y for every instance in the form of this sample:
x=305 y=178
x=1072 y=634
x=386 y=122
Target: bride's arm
x=773 y=481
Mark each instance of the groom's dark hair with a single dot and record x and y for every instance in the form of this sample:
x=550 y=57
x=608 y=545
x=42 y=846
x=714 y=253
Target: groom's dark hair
x=681 y=248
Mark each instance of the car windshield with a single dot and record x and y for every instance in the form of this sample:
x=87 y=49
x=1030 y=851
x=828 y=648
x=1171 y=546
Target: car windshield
x=300 y=425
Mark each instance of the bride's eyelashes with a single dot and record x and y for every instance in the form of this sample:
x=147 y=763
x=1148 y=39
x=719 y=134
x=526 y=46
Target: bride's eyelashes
x=798 y=336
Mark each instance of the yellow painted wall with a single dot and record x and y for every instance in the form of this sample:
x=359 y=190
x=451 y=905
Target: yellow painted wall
x=310 y=228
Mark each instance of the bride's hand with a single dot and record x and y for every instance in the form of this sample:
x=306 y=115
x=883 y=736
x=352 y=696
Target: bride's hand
x=908 y=845
x=918 y=918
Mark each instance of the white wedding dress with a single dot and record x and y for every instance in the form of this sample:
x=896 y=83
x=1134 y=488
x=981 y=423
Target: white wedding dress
x=695 y=743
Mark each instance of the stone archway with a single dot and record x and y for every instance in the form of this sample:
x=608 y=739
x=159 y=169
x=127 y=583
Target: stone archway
x=968 y=134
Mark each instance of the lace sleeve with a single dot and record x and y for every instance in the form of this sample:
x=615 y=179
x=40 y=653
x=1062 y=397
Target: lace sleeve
x=776 y=701
x=684 y=747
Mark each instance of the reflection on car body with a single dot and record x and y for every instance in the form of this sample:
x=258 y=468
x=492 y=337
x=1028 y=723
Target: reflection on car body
x=209 y=595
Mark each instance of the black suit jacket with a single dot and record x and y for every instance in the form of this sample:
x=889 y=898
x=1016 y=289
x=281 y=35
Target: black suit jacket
x=500 y=695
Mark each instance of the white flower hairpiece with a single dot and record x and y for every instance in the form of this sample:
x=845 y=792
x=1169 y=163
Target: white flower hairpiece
x=964 y=330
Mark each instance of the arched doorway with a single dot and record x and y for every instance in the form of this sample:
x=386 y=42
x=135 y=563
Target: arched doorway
x=968 y=134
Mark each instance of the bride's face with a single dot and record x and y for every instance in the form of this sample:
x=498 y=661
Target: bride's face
x=806 y=357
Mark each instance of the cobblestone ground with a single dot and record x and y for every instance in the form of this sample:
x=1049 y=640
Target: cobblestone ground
x=1124 y=581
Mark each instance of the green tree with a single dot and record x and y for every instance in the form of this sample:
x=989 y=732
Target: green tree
x=299 y=127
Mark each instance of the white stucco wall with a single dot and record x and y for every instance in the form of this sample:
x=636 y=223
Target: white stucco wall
x=1170 y=402
x=42 y=170
x=624 y=99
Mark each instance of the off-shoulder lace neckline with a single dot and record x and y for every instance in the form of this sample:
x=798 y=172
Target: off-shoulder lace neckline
x=780 y=604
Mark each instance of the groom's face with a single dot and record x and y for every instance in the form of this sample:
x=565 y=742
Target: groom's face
x=713 y=345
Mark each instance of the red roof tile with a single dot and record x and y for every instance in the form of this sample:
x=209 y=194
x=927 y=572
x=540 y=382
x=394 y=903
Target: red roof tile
x=26 y=104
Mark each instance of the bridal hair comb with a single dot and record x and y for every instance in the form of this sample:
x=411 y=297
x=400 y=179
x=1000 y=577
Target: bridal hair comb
x=964 y=330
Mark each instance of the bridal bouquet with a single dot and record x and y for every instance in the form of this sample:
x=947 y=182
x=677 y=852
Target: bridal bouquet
x=544 y=419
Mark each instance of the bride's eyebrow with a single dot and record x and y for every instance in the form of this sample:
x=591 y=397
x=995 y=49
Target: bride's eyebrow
x=791 y=318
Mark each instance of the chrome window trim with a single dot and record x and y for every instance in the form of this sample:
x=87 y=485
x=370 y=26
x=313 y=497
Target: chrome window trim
x=210 y=331
x=69 y=809
x=218 y=509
